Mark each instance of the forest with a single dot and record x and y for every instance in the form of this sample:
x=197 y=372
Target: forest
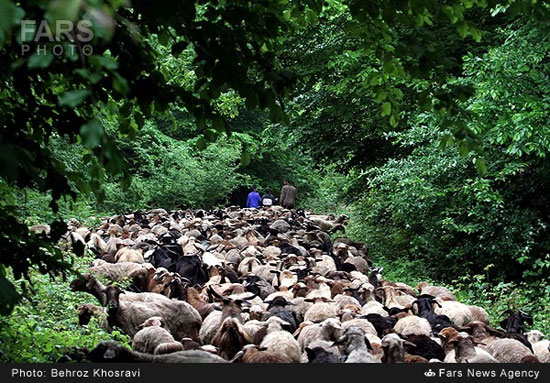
x=426 y=122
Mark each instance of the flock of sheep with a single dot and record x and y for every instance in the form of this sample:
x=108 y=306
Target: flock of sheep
x=273 y=286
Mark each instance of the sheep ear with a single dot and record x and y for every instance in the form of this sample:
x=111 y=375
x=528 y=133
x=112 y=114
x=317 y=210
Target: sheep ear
x=367 y=342
x=503 y=323
x=409 y=343
x=238 y=357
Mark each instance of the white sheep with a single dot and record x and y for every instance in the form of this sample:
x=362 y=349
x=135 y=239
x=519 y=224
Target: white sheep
x=153 y=338
x=413 y=325
x=281 y=342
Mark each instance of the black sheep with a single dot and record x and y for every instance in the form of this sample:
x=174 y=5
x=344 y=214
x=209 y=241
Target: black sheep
x=320 y=355
x=380 y=323
x=424 y=346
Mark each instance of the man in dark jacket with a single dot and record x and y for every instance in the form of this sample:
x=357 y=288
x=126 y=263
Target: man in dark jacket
x=254 y=198
x=288 y=195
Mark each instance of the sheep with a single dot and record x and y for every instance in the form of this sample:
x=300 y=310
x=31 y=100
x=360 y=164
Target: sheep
x=180 y=317
x=394 y=351
x=466 y=352
x=210 y=326
x=252 y=353
x=514 y=325
x=195 y=299
x=276 y=307
x=320 y=355
x=281 y=342
x=541 y=346
x=479 y=314
x=424 y=346
x=437 y=291
x=114 y=352
x=329 y=329
x=116 y=272
x=153 y=338
x=355 y=347
x=320 y=310
x=374 y=307
x=413 y=325
x=382 y=324
x=87 y=311
x=459 y=313
x=508 y=350
x=363 y=324
x=482 y=333
x=230 y=337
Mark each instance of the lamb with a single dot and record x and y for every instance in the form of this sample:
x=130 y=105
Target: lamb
x=281 y=342
x=153 y=338
x=114 y=352
x=413 y=325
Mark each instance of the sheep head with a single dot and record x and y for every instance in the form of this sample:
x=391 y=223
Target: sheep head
x=109 y=351
x=84 y=282
x=514 y=322
x=112 y=294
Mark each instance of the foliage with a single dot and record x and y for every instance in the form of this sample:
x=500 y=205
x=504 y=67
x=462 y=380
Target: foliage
x=45 y=326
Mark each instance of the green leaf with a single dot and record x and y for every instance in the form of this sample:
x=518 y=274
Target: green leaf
x=481 y=166
x=6 y=16
x=9 y=295
x=201 y=143
x=164 y=38
x=62 y=10
x=386 y=109
x=91 y=133
x=40 y=60
x=103 y=61
x=120 y=84
x=245 y=158
x=73 y=98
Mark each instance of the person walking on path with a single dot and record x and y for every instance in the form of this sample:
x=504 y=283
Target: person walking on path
x=254 y=198
x=288 y=195
x=268 y=199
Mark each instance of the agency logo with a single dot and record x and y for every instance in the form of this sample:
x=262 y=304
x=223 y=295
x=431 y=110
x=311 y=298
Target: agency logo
x=68 y=37
x=430 y=373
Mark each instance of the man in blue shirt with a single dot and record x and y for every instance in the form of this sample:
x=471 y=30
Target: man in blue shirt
x=254 y=198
